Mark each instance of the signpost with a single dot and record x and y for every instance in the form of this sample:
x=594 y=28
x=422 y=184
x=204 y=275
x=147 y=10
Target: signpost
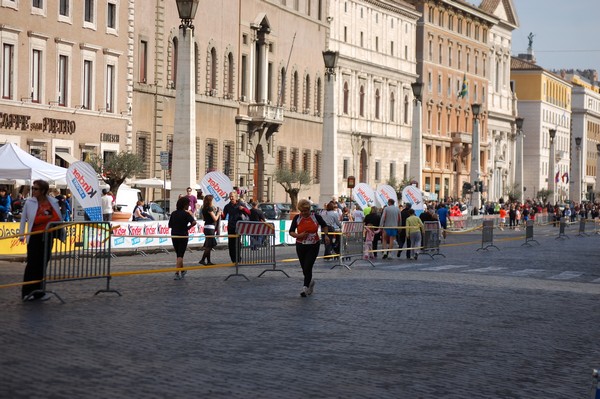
x=164 y=165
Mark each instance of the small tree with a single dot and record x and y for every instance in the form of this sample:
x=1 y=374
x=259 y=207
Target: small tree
x=292 y=182
x=544 y=194
x=117 y=168
x=513 y=191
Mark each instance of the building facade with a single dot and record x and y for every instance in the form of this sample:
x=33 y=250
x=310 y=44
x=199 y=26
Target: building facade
x=64 y=83
x=544 y=101
x=453 y=51
x=258 y=89
x=377 y=64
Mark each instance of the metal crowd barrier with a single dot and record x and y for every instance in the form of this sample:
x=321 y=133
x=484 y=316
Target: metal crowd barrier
x=529 y=234
x=487 y=236
x=86 y=254
x=582 y=232
x=351 y=244
x=432 y=240
x=562 y=226
x=255 y=246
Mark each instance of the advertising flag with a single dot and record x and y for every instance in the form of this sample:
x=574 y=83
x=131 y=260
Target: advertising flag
x=412 y=195
x=383 y=193
x=82 y=180
x=219 y=186
x=464 y=90
x=557 y=177
x=363 y=195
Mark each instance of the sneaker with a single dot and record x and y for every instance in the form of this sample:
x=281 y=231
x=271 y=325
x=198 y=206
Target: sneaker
x=416 y=256
x=304 y=292
x=45 y=297
x=311 y=287
x=202 y=262
x=384 y=256
x=177 y=276
x=398 y=254
x=183 y=273
x=209 y=263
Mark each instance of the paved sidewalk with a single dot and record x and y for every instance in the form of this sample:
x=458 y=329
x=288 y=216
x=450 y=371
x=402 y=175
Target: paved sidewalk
x=486 y=324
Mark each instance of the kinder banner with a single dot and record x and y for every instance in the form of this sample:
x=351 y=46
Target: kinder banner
x=219 y=186
x=82 y=180
x=384 y=192
x=363 y=194
x=413 y=196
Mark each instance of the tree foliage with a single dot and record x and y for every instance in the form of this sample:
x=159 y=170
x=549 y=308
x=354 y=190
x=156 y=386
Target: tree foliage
x=513 y=192
x=544 y=194
x=116 y=168
x=292 y=182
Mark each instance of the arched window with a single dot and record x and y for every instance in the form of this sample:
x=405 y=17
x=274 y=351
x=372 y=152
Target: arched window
x=346 y=95
x=406 y=109
x=174 y=63
x=229 y=76
x=377 y=101
x=318 y=96
x=213 y=70
x=392 y=107
x=362 y=101
x=307 y=94
x=294 y=93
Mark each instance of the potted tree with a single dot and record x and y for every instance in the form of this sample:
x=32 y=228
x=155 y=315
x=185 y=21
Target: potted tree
x=292 y=182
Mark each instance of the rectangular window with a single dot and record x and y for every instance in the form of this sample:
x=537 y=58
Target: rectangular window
x=392 y=48
x=317 y=168
x=87 y=85
x=211 y=155
x=7 y=71
x=392 y=170
x=36 y=76
x=377 y=170
x=88 y=11
x=244 y=78
x=345 y=168
x=294 y=160
x=143 y=61
x=110 y=88
x=345 y=34
x=228 y=159
x=142 y=149
x=63 y=79
x=63 y=8
x=306 y=158
x=38 y=3
x=376 y=43
x=111 y=16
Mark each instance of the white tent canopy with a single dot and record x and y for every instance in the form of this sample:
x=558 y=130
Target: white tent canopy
x=18 y=164
x=155 y=182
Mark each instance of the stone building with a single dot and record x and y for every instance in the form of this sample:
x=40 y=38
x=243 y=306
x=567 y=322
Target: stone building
x=64 y=77
x=258 y=89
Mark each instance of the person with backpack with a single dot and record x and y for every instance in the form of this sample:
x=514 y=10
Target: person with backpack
x=305 y=229
x=5 y=205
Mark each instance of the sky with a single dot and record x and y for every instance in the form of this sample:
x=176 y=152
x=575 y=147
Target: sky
x=567 y=32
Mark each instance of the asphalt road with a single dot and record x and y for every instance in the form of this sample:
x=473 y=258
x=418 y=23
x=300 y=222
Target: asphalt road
x=518 y=322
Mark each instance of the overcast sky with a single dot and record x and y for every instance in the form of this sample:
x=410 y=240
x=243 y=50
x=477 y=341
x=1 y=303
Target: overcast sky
x=567 y=32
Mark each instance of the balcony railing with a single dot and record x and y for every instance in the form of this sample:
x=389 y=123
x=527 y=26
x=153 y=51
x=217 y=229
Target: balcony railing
x=269 y=113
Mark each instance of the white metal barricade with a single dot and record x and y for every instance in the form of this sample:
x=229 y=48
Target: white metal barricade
x=255 y=246
x=351 y=244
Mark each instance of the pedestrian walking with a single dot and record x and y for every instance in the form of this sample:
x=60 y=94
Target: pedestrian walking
x=305 y=229
x=39 y=210
x=234 y=211
x=415 y=230
x=180 y=222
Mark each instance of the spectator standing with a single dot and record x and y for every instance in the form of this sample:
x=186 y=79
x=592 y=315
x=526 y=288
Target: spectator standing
x=334 y=224
x=256 y=215
x=180 y=222
x=374 y=219
x=234 y=211
x=403 y=236
x=108 y=204
x=390 y=221
x=39 y=210
x=5 y=204
x=357 y=214
x=211 y=216
x=416 y=229
x=192 y=199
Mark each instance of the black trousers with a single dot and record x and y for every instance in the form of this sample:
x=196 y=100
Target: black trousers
x=401 y=239
x=307 y=254
x=232 y=243
x=35 y=264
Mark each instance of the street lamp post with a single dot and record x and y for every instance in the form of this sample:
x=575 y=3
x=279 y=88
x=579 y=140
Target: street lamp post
x=579 y=173
x=551 y=160
x=475 y=163
x=183 y=173
x=416 y=145
x=519 y=158
x=329 y=177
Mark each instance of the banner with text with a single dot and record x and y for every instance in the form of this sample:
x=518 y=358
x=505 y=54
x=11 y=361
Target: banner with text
x=219 y=186
x=364 y=195
x=384 y=192
x=82 y=180
x=413 y=196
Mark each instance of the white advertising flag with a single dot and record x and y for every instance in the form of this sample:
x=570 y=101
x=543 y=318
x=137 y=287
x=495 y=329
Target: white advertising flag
x=363 y=194
x=385 y=192
x=82 y=180
x=413 y=196
x=219 y=186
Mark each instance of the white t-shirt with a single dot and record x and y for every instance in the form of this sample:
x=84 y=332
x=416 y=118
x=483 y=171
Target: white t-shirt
x=107 y=204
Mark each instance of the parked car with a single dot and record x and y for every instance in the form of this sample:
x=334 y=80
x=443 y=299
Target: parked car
x=275 y=210
x=164 y=204
x=157 y=212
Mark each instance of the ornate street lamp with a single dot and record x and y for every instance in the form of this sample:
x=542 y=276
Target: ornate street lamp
x=578 y=178
x=519 y=157
x=184 y=130
x=475 y=163
x=187 y=12
x=416 y=144
x=329 y=180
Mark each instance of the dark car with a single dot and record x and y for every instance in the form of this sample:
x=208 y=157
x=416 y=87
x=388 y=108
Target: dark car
x=270 y=210
x=164 y=204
